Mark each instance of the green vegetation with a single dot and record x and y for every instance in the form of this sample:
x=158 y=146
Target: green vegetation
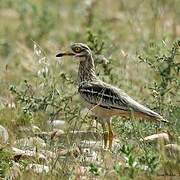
x=135 y=46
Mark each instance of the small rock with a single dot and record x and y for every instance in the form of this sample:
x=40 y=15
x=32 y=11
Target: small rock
x=156 y=137
x=57 y=124
x=27 y=154
x=38 y=168
x=4 y=136
x=30 y=143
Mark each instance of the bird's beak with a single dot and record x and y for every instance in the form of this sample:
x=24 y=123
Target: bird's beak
x=65 y=54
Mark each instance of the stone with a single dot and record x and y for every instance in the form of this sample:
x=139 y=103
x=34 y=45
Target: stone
x=60 y=124
x=30 y=143
x=28 y=155
x=4 y=136
x=157 y=137
x=37 y=168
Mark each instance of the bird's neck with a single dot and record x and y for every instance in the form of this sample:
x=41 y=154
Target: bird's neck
x=86 y=70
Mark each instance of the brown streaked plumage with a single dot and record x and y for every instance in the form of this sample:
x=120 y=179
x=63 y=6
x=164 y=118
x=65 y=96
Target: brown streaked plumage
x=103 y=99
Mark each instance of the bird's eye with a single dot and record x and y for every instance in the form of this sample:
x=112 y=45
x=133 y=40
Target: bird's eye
x=77 y=49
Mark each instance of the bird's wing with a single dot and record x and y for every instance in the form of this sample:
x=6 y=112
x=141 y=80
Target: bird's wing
x=109 y=97
x=103 y=95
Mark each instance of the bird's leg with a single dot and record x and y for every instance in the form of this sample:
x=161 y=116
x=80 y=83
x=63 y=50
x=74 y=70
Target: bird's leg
x=105 y=134
x=111 y=135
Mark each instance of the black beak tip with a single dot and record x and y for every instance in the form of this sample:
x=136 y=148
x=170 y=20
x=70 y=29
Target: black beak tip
x=59 y=55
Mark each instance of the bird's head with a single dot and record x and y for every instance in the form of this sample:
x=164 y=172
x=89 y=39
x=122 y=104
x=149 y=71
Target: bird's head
x=77 y=50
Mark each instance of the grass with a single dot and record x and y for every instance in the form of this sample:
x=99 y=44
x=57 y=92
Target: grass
x=136 y=48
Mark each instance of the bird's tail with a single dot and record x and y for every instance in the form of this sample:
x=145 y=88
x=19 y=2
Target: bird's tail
x=155 y=116
x=161 y=119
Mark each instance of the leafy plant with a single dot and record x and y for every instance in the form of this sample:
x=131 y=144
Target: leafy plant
x=95 y=42
x=6 y=162
x=94 y=169
x=167 y=69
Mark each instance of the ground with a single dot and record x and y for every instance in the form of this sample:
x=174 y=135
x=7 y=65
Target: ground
x=136 y=48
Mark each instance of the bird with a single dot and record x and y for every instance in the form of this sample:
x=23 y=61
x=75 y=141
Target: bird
x=103 y=99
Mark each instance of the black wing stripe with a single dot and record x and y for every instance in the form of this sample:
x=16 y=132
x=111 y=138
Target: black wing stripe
x=102 y=96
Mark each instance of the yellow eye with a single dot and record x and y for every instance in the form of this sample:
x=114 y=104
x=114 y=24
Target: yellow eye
x=77 y=49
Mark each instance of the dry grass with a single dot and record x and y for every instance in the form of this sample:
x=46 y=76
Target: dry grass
x=42 y=89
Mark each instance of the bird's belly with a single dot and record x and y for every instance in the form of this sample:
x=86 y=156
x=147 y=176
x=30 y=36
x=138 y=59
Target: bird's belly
x=105 y=113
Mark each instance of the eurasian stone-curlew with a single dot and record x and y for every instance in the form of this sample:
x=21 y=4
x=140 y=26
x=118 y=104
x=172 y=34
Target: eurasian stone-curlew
x=103 y=99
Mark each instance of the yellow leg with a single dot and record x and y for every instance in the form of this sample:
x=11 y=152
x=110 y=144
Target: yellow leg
x=111 y=135
x=105 y=134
